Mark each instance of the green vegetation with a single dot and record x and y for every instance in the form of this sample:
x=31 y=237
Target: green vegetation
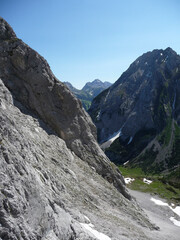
x=86 y=104
x=132 y=172
x=175 y=155
x=165 y=136
x=173 y=178
x=145 y=161
x=160 y=110
x=158 y=186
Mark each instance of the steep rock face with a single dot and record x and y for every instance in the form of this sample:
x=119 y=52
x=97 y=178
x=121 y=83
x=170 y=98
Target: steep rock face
x=139 y=106
x=49 y=193
x=48 y=190
x=28 y=76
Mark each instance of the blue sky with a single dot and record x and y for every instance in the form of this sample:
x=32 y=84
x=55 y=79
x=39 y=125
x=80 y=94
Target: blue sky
x=87 y=39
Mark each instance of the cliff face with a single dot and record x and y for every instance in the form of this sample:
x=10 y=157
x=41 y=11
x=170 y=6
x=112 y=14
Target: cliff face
x=54 y=178
x=28 y=76
x=143 y=104
x=49 y=193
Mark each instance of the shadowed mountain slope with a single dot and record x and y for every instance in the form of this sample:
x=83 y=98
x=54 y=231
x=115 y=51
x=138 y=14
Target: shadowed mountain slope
x=142 y=109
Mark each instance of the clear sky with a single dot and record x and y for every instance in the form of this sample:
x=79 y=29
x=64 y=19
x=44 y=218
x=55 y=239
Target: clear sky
x=87 y=39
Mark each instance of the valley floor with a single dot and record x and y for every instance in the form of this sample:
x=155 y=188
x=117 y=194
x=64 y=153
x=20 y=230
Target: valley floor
x=159 y=215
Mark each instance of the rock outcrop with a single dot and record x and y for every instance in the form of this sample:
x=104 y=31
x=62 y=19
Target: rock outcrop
x=144 y=103
x=49 y=193
x=55 y=182
x=28 y=76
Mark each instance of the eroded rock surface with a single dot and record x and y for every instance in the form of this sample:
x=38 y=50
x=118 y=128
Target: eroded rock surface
x=28 y=76
x=53 y=179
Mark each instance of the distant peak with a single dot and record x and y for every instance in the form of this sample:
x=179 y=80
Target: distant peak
x=170 y=50
x=96 y=81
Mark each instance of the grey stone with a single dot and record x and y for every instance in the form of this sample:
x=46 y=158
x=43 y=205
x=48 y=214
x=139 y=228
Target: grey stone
x=53 y=174
x=28 y=76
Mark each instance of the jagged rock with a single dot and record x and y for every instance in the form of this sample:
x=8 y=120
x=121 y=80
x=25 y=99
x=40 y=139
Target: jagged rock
x=51 y=180
x=28 y=76
x=47 y=191
x=141 y=106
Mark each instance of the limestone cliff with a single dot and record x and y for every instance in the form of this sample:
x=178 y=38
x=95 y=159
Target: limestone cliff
x=28 y=76
x=55 y=182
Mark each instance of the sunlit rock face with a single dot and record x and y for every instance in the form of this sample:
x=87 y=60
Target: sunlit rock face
x=55 y=181
x=139 y=106
x=29 y=78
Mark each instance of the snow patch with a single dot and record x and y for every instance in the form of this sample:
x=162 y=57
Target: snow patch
x=147 y=181
x=111 y=139
x=98 y=235
x=125 y=163
x=176 y=210
x=159 y=202
x=128 y=180
x=98 y=115
x=130 y=140
x=161 y=54
x=106 y=96
x=176 y=222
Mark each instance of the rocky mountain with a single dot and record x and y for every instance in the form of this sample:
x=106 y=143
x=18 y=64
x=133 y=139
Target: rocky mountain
x=138 y=117
x=89 y=91
x=95 y=87
x=55 y=181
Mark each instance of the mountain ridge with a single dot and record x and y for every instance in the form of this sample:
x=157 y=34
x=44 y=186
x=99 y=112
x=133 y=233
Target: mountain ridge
x=89 y=91
x=140 y=104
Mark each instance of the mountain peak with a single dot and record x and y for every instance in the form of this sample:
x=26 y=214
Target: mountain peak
x=169 y=50
x=97 y=81
x=6 y=32
x=139 y=104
